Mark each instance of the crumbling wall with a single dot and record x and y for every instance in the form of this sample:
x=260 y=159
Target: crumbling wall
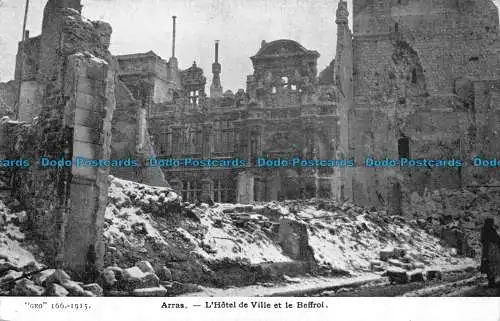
x=66 y=202
x=131 y=141
x=343 y=79
x=27 y=67
x=7 y=98
x=415 y=66
x=91 y=86
x=294 y=240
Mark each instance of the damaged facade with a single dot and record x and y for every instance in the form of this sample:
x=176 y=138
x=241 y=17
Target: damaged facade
x=283 y=100
x=413 y=79
x=425 y=85
x=69 y=91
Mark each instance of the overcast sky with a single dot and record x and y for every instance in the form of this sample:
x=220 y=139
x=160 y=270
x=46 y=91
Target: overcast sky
x=143 y=25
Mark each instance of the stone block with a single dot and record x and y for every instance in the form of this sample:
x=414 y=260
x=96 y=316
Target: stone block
x=85 y=149
x=59 y=276
x=74 y=289
x=397 y=276
x=86 y=134
x=32 y=267
x=116 y=293
x=416 y=276
x=41 y=278
x=386 y=254
x=395 y=262
x=151 y=292
x=376 y=265
x=21 y=218
x=117 y=271
x=150 y=280
x=10 y=276
x=27 y=287
x=132 y=278
x=94 y=288
x=85 y=172
x=165 y=274
x=399 y=252
x=145 y=267
x=86 y=117
x=85 y=101
x=433 y=275
x=108 y=278
x=56 y=290
x=7 y=266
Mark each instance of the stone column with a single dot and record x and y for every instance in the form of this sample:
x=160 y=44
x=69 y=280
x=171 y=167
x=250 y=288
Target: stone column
x=395 y=199
x=207 y=192
x=207 y=140
x=91 y=87
x=259 y=189
x=245 y=184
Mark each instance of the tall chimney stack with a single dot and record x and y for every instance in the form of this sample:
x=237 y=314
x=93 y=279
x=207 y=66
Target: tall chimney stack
x=216 y=51
x=173 y=36
x=216 y=87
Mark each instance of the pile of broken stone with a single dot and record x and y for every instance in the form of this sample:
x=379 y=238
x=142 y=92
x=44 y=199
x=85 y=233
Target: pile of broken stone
x=401 y=267
x=141 y=280
x=35 y=279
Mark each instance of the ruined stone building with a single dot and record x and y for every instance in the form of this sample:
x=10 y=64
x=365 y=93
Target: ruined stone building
x=69 y=90
x=285 y=111
x=420 y=80
x=414 y=78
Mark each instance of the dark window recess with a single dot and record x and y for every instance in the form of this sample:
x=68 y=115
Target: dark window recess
x=414 y=76
x=404 y=147
x=475 y=58
x=396 y=27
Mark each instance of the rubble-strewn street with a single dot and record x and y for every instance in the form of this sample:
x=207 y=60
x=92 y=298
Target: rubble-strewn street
x=157 y=245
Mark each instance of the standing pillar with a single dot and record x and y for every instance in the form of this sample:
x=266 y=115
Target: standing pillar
x=259 y=189
x=395 y=200
x=207 y=193
x=245 y=185
x=207 y=140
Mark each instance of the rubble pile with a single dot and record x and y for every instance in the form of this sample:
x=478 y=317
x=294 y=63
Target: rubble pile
x=35 y=279
x=456 y=215
x=201 y=244
x=195 y=243
x=345 y=236
x=158 y=245
x=21 y=273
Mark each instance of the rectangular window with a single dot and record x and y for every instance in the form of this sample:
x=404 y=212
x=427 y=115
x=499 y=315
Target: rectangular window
x=224 y=191
x=176 y=142
x=224 y=138
x=191 y=191
x=228 y=140
x=404 y=147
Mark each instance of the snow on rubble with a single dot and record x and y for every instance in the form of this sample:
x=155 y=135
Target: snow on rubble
x=464 y=209
x=136 y=208
x=21 y=273
x=158 y=244
x=340 y=237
